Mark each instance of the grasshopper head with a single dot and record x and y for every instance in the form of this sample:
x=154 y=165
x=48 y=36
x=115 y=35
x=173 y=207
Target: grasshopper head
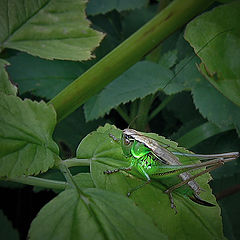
x=132 y=147
x=126 y=143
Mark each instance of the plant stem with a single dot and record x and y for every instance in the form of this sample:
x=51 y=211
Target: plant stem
x=126 y=54
x=143 y=110
x=123 y=114
x=133 y=112
x=39 y=182
x=161 y=106
x=68 y=176
x=76 y=162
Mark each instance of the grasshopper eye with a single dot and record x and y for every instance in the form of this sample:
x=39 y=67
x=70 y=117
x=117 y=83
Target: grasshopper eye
x=127 y=141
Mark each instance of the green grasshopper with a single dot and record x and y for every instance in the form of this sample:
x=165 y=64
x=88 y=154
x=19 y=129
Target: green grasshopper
x=154 y=161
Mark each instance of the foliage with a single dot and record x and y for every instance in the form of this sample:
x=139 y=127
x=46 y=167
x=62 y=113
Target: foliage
x=185 y=87
x=39 y=27
x=7 y=231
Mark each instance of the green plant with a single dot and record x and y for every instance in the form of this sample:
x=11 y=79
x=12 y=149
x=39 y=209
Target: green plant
x=145 y=77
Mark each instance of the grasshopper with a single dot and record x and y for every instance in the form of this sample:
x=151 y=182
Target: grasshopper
x=154 y=161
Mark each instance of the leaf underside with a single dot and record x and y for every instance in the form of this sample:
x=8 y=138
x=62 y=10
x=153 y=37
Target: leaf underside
x=26 y=145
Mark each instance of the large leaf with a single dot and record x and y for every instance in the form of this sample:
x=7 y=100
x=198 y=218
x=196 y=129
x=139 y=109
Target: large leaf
x=215 y=37
x=7 y=232
x=214 y=106
x=134 y=20
x=168 y=59
x=102 y=6
x=186 y=76
x=5 y=85
x=48 y=28
x=140 y=80
x=42 y=77
x=192 y=221
x=97 y=215
x=210 y=102
x=26 y=129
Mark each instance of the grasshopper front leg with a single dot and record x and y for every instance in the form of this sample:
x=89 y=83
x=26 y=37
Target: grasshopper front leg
x=142 y=171
x=129 y=169
x=120 y=169
x=114 y=138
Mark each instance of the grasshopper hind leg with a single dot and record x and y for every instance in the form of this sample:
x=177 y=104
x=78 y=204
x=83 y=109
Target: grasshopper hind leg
x=195 y=198
x=173 y=206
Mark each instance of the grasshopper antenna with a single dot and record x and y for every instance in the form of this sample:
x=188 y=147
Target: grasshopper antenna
x=133 y=120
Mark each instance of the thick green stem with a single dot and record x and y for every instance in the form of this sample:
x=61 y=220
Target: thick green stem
x=39 y=182
x=126 y=54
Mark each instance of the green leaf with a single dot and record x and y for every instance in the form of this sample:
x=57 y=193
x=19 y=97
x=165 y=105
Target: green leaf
x=211 y=104
x=7 y=232
x=110 y=24
x=48 y=29
x=184 y=49
x=186 y=76
x=168 y=59
x=84 y=180
x=25 y=136
x=192 y=221
x=214 y=106
x=102 y=6
x=42 y=77
x=5 y=85
x=139 y=81
x=99 y=215
x=134 y=20
x=215 y=37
